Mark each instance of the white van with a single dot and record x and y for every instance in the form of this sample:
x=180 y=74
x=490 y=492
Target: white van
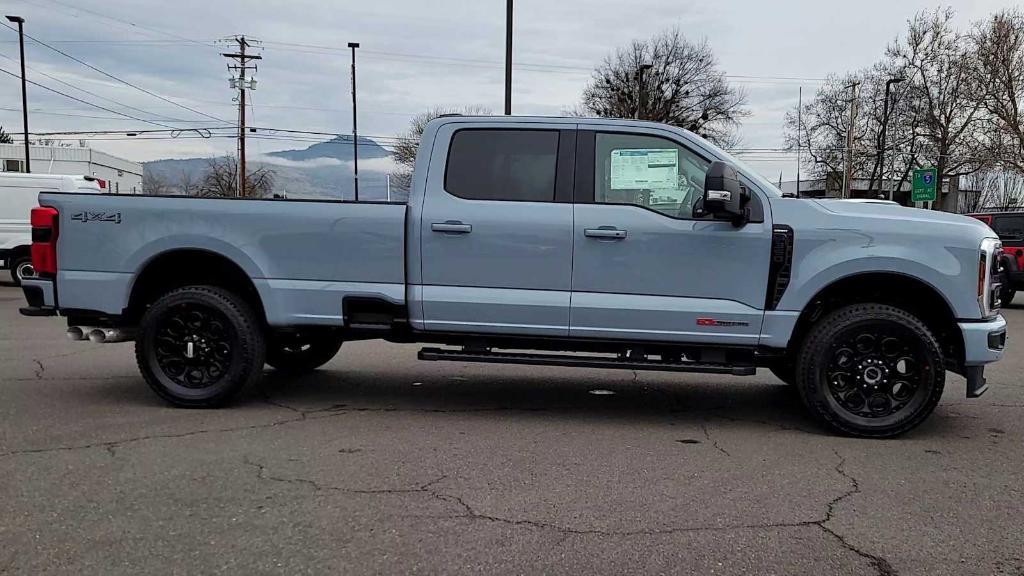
x=18 y=196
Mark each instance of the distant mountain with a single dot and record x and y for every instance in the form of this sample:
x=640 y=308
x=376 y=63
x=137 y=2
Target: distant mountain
x=323 y=170
x=339 y=148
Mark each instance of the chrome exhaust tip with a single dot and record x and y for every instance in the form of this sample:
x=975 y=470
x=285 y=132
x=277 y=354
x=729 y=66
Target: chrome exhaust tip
x=111 y=335
x=76 y=333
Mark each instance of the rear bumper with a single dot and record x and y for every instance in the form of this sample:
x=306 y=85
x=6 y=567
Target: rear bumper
x=41 y=297
x=984 y=343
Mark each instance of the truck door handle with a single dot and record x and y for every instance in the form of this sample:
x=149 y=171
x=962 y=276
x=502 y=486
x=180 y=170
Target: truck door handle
x=451 y=227
x=609 y=233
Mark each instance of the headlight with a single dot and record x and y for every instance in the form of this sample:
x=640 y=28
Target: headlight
x=989 y=276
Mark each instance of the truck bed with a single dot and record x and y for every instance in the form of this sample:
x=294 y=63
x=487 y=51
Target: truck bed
x=303 y=257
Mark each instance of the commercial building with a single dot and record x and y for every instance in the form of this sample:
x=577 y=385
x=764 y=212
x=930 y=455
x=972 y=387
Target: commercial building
x=116 y=175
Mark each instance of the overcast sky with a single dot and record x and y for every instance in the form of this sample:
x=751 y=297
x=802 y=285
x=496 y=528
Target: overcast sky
x=415 y=54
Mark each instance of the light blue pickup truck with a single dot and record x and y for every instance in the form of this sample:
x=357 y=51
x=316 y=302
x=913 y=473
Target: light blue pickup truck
x=546 y=241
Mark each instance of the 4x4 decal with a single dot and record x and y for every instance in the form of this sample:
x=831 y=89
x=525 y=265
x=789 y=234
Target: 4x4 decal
x=112 y=217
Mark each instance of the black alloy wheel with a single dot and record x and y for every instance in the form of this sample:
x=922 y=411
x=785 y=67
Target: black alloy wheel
x=199 y=346
x=302 y=351
x=870 y=370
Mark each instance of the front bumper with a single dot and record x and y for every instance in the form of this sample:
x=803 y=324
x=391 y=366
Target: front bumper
x=5 y=258
x=984 y=343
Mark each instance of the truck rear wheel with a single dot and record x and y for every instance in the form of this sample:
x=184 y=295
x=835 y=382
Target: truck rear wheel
x=199 y=346
x=870 y=370
x=301 y=352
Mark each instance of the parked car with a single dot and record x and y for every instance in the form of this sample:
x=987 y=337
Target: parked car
x=1009 y=226
x=18 y=194
x=531 y=241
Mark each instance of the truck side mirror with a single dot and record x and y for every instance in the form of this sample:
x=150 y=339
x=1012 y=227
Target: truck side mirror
x=724 y=197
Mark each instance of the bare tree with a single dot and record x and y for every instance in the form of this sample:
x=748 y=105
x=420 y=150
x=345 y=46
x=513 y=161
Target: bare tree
x=935 y=116
x=5 y=138
x=221 y=180
x=668 y=79
x=188 y=183
x=154 y=184
x=945 y=89
x=825 y=123
x=999 y=45
x=404 y=151
x=992 y=190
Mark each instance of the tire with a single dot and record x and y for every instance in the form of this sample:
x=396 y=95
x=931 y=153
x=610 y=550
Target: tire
x=1006 y=295
x=21 y=268
x=300 y=353
x=199 y=346
x=870 y=370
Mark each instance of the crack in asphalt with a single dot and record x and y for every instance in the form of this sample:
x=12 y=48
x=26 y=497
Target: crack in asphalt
x=707 y=436
x=39 y=371
x=112 y=445
x=881 y=565
x=262 y=474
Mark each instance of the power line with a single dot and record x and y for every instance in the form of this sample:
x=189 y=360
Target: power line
x=128 y=22
x=122 y=104
x=86 y=102
x=113 y=77
x=46 y=112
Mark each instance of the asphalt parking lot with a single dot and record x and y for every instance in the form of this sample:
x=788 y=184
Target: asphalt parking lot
x=383 y=464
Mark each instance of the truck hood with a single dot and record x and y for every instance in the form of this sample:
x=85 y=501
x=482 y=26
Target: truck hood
x=834 y=239
x=858 y=210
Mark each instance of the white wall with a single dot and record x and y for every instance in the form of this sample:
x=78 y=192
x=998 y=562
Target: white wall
x=123 y=176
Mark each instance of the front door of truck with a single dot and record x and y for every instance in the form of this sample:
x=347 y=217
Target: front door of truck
x=644 y=268
x=496 y=229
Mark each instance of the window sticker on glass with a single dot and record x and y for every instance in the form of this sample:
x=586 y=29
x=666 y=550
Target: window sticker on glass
x=645 y=168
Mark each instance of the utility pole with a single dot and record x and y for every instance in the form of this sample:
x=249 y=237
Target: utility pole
x=848 y=173
x=641 y=106
x=24 y=94
x=508 y=57
x=240 y=82
x=355 y=129
x=799 y=127
x=885 y=128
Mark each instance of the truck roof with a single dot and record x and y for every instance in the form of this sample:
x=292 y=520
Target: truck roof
x=557 y=120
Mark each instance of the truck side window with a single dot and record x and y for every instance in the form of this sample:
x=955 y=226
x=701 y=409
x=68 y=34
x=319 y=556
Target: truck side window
x=647 y=171
x=502 y=164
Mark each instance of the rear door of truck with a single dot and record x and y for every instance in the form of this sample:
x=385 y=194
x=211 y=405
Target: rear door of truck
x=496 y=229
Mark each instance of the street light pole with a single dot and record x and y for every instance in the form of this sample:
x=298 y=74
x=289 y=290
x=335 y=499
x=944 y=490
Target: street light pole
x=24 y=93
x=355 y=129
x=508 y=57
x=885 y=128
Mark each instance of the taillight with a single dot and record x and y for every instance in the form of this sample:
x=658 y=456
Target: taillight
x=44 y=240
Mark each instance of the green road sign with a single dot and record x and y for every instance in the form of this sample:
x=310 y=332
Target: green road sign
x=923 y=187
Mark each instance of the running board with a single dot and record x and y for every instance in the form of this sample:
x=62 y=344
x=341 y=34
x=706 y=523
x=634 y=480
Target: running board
x=582 y=361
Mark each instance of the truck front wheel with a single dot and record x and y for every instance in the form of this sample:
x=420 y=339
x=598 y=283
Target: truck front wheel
x=199 y=346
x=301 y=352
x=870 y=370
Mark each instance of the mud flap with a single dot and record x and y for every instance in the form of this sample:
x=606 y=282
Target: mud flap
x=976 y=384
